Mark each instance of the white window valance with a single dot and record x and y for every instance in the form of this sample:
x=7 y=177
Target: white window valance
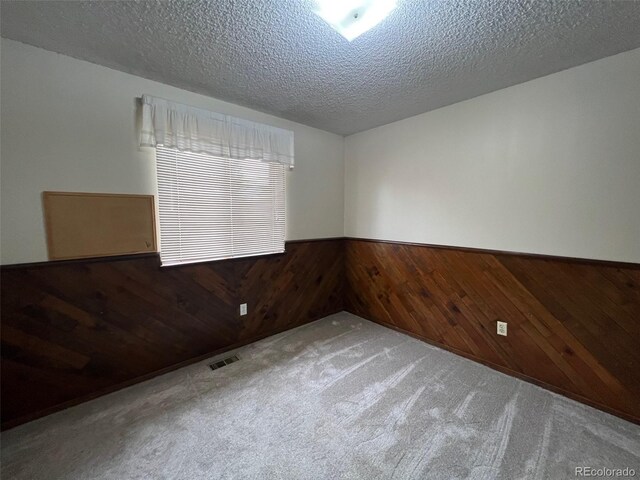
x=191 y=129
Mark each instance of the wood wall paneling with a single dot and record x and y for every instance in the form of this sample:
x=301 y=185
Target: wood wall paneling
x=74 y=330
x=574 y=326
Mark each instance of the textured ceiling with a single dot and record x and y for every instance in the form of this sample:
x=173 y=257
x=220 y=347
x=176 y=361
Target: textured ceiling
x=278 y=57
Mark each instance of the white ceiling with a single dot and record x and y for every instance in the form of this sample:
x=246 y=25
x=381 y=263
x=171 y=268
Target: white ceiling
x=278 y=57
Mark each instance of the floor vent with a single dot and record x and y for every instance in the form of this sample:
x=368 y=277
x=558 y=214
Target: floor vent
x=223 y=362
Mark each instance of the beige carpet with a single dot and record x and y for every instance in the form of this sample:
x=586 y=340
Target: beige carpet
x=338 y=398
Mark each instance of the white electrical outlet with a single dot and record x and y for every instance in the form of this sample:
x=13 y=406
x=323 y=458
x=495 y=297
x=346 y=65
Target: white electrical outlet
x=502 y=328
x=243 y=309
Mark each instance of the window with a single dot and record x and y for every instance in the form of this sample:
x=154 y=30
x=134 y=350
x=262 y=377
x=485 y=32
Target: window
x=212 y=208
x=221 y=183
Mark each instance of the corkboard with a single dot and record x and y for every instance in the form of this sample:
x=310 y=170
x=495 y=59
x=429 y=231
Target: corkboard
x=82 y=225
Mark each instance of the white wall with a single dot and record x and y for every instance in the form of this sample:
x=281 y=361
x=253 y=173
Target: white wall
x=550 y=166
x=70 y=125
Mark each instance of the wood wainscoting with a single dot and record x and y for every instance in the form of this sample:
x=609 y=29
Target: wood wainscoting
x=75 y=330
x=573 y=326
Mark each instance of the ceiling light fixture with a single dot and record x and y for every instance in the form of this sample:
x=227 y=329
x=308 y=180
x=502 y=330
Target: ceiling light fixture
x=351 y=18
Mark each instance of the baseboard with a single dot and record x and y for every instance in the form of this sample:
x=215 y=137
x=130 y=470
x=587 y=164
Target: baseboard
x=510 y=372
x=114 y=388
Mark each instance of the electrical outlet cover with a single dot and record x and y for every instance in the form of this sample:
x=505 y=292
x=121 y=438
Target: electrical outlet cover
x=502 y=328
x=243 y=309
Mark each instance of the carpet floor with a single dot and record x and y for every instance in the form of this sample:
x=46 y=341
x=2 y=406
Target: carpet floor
x=338 y=398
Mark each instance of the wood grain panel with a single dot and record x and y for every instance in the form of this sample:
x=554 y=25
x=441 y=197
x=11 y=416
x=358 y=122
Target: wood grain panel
x=574 y=326
x=74 y=330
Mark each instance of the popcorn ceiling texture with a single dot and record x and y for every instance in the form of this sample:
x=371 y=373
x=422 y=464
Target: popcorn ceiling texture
x=276 y=56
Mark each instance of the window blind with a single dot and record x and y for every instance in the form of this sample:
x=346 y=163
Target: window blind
x=213 y=208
